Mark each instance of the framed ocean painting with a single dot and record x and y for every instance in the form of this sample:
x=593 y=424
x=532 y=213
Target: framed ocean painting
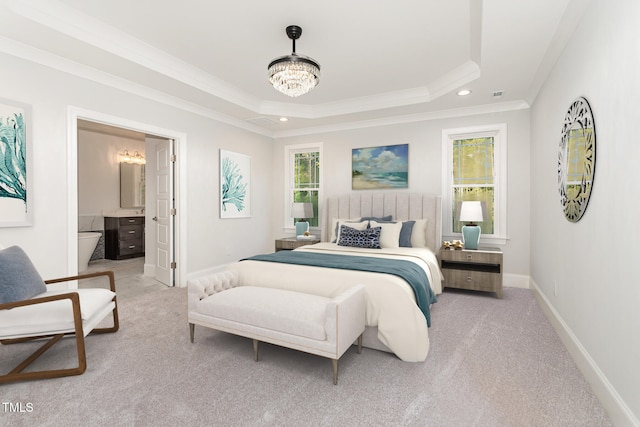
x=235 y=185
x=380 y=167
x=15 y=198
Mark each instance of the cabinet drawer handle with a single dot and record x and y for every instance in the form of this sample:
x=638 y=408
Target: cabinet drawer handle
x=132 y=232
x=469 y=279
x=132 y=246
x=132 y=220
x=469 y=256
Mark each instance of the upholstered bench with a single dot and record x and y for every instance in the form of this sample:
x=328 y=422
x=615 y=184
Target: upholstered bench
x=323 y=326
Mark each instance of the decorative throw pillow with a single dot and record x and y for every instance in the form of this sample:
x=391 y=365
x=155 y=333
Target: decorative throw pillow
x=353 y=224
x=375 y=218
x=419 y=233
x=367 y=238
x=335 y=226
x=390 y=233
x=405 y=234
x=19 y=279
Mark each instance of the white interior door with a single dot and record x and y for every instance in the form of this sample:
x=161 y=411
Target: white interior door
x=165 y=213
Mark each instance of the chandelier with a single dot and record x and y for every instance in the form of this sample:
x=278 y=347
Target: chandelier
x=294 y=74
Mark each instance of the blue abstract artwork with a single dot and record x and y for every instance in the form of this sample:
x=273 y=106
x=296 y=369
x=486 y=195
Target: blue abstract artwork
x=235 y=185
x=380 y=167
x=14 y=209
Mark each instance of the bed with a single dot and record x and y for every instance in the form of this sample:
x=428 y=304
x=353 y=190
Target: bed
x=395 y=322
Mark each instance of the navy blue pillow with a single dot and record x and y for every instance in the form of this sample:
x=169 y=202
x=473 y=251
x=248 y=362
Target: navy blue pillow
x=378 y=219
x=19 y=279
x=367 y=238
x=405 y=234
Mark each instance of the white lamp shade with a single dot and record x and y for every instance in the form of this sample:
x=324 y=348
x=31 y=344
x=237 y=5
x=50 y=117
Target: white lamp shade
x=471 y=212
x=302 y=210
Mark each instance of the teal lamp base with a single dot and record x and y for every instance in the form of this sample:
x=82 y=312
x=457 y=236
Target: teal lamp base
x=301 y=227
x=471 y=236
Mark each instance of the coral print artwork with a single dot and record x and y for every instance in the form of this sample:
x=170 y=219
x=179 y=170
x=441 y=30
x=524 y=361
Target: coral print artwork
x=235 y=185
x=14 y=209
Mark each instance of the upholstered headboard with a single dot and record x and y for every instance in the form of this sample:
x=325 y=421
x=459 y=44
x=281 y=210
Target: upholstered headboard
x=402 y=206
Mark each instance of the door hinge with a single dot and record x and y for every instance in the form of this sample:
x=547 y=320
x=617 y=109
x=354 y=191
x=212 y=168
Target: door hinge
x=173 y=211
x=174 y=265
x=173 y=158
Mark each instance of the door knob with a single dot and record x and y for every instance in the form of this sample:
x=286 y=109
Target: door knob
x=155 y=218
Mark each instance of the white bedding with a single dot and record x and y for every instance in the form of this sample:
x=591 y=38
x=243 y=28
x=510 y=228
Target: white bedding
x=391 y=305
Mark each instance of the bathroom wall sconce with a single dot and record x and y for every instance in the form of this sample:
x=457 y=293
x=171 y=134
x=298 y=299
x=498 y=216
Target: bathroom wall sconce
x=136 y=158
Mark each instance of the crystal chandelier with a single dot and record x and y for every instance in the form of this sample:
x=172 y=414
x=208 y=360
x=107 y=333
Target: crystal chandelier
x=294 y=74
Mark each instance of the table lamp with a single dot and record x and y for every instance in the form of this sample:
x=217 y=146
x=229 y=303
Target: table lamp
x=471 y=212
x=303 y=211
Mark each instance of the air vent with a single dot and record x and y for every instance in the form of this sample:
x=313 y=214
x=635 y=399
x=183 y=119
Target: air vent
x=263 y=121
x=497 y=93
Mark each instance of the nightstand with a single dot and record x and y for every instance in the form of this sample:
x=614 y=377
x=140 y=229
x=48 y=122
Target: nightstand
x=476 y=270
x=289 y=243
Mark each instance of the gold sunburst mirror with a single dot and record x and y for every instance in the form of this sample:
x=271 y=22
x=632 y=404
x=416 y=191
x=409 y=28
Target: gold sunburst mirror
x=576 y=159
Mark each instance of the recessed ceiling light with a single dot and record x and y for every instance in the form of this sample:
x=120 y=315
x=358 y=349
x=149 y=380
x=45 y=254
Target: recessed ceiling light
x=464 y=92
x=284 y=119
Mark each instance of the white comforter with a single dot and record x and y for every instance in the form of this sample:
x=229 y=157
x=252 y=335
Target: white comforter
x=391 y=305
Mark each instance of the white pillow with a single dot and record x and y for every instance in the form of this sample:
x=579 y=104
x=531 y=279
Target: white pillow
x=353 y=223
x=419 y=233
x=389 y=234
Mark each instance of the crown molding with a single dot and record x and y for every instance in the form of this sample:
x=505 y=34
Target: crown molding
x=66 y=20
x=77 y=25
x=409 y=118
x=38 y=56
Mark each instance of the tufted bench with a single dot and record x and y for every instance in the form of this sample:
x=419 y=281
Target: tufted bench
x=314 y=324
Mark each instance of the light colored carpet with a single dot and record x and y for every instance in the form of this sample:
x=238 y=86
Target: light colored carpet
x=492 y=363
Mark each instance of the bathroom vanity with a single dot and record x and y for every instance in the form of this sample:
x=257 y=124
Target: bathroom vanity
x=124 y=237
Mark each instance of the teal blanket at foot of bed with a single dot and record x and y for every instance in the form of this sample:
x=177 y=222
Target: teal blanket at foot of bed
x=412 y=273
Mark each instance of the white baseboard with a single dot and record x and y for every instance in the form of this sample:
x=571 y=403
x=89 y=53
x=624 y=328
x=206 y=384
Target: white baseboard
x=615 y=406
x=515 y=281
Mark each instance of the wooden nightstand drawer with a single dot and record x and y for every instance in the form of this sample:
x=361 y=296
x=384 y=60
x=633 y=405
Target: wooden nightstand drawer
x=290 y=243
x=472 y=256
x=472 y=280
x=476 y=270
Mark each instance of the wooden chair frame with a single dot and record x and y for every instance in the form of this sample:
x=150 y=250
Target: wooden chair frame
x=16 y=374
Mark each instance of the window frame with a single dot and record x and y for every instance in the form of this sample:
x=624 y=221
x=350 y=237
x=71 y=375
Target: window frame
x=499 y=134
x=289 y=156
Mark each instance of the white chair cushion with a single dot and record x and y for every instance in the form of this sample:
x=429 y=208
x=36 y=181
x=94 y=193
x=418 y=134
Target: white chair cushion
x=54 y=316
x=294 y=313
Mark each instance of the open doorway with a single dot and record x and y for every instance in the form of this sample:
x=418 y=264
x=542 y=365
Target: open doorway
x=160 y=210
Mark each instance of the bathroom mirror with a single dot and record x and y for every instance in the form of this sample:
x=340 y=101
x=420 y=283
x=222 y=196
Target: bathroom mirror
x=576 y=159
x=132 y=185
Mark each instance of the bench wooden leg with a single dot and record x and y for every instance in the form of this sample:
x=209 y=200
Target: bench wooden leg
x=192 y=328
x=255 y=350
x=335 y=371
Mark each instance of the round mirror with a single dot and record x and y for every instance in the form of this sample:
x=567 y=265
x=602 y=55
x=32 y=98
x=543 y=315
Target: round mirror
x=576 y=159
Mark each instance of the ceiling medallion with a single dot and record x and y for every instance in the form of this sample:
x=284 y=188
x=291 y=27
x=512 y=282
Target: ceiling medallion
x=294 y=74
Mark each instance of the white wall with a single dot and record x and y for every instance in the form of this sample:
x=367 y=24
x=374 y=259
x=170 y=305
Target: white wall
x=425 y=168
x=99 y=174
x=209 y=239
x=594 y=261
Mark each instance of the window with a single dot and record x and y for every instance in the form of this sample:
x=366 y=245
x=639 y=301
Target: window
x=303 y=180
x=475 y=168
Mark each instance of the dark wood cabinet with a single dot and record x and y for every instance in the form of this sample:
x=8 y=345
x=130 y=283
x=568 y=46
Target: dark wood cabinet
x=124 y=237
